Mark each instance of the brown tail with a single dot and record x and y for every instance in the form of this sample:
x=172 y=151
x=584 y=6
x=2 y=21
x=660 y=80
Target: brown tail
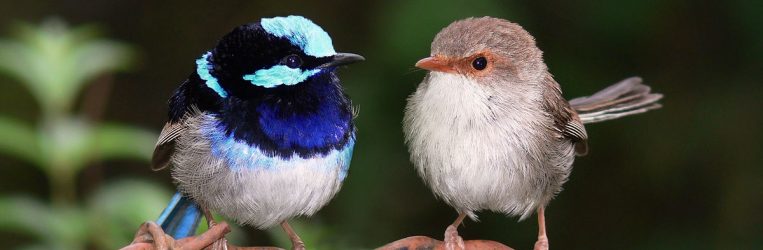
x=627 y=97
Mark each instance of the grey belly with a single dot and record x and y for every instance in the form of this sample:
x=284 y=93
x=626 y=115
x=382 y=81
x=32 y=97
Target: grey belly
x=254 y=190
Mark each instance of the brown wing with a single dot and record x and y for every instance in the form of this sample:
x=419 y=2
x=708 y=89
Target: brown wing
x=165 y=146
x=566 y=120
x=627 y=97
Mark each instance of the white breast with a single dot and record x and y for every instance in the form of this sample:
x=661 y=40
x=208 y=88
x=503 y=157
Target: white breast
x=472 y=145
x=252 y=188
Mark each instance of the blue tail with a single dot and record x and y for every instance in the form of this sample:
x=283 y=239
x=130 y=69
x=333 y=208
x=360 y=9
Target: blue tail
x=181 y=217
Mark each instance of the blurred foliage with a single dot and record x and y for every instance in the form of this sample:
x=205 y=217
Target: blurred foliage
x=55 y=62
x=683 y=177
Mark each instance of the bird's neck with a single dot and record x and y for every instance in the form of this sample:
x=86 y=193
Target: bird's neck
x=307 y=119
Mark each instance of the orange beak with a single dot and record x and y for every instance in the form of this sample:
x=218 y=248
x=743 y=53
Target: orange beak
x=436 y=63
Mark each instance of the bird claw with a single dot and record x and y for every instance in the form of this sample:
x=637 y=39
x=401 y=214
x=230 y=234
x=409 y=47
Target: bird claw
x=299 y=245
x=220 y=244
x=542 y=243
x=452 y=240
x=151 y=236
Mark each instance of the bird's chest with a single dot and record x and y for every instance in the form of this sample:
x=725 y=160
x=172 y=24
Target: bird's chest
x=286 y=127
x=237 y=154
x=252 y=186
x=464 y=128
x=478 y=150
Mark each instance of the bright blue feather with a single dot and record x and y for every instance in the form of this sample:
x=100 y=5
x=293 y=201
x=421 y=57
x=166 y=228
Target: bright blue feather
x=301 y=32
x=181 y=217
x=346 y=157
x=244 y=156
x=279 y=75
x=327 y=126
x=203 y=70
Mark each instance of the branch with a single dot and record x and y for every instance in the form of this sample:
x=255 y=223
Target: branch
x=424 y=242
x=151 y=237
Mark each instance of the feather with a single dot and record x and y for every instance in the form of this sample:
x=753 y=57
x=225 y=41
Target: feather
x=181 y=217
x=565 y=118
x=627 y=97
x=165 y=145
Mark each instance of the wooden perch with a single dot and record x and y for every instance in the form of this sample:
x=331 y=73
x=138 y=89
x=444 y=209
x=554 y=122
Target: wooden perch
x=424 y=242
x=151 y=237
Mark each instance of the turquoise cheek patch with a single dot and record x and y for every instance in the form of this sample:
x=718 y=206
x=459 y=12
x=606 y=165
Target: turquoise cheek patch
x=279 y=75
x=202 y=69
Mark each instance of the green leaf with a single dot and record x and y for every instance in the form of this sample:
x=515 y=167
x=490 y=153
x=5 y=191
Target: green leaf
x=117 y=209
x=59 y=226
x=116 y=141
x=55 y=62
x=20 y=140
x=24 y=214
x=97 y=57
x=74 y=142
x=68 y=143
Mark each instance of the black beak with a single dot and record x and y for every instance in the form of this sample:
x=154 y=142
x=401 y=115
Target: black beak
x=342 y=59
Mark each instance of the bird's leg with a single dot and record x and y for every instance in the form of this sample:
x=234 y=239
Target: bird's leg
x=296 y=242
x=208 y=216
x=219 y=244
x=542 y=243
x=452 y=240
x=151 y=236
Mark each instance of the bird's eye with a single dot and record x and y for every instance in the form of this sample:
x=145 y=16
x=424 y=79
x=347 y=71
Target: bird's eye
x=479 y=63
x=293 y=61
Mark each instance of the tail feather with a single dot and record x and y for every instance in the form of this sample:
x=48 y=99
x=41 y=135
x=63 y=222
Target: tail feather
x=627 y=97
x=181 y=217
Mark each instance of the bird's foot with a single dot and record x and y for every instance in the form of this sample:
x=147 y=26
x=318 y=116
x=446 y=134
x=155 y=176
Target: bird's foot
x=298 y=245
x=296 y=242
x=542 y=243
x=219 y=244
x=151 y=236
x=452 y=240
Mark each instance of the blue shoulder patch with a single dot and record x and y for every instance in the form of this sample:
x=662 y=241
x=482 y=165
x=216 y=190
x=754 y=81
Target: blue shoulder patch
x=202 y=69
x=345 y=157
x=311 y=38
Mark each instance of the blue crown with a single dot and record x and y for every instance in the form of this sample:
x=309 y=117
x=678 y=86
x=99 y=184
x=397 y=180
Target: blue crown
x=301 y=32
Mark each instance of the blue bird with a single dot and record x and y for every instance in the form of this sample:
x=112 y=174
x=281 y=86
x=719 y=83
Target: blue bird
x=261 y=131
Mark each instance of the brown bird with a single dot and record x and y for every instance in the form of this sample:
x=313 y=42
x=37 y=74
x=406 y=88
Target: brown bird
x=488 y=128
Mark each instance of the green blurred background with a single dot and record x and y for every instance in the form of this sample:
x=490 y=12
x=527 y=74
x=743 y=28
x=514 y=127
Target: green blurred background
x=84 y=84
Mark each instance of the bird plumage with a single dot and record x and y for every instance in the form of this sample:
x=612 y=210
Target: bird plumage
x=262 y=130
x=488 y=127
x=181 y=217
x=469 y=144
x=627 y=97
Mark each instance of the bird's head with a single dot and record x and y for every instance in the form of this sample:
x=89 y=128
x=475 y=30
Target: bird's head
x=486 y=51
x=279 y=52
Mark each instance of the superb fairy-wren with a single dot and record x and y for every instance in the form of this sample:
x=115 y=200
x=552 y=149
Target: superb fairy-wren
x=488 y=128
x=261 y=131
